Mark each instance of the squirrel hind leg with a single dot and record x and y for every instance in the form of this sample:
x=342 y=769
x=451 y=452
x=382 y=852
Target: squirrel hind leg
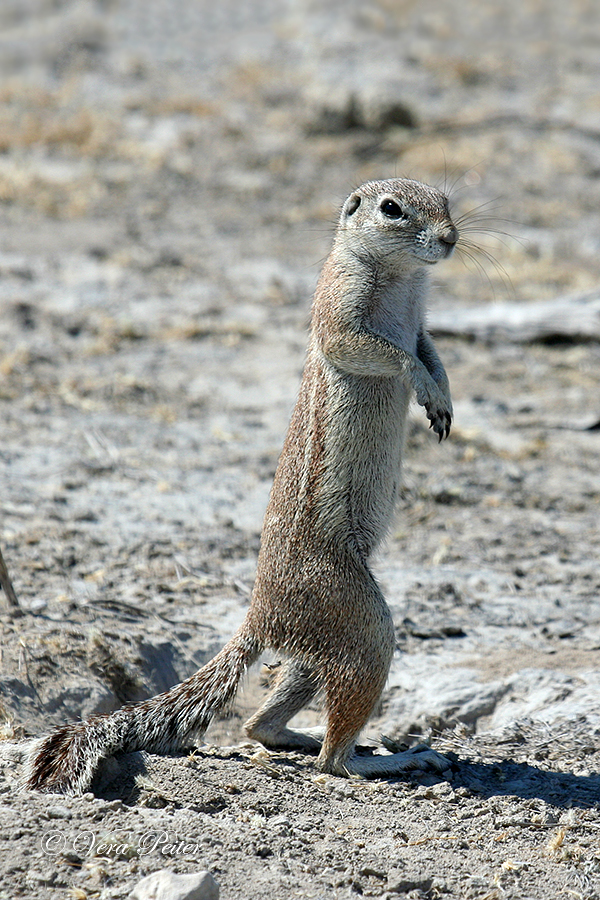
x=351 y=700
x=295 y=688
x=342 y=760
x=352 y=692
x=350 y=713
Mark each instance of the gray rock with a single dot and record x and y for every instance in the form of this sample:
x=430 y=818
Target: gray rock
x=88 y=695
x=166 y=885
x=542 y=695
x=59 y=812
x=449 y=695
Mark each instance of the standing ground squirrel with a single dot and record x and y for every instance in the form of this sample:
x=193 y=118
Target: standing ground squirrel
x=315 y=598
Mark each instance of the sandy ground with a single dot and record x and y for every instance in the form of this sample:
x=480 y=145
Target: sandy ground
x=170 y=175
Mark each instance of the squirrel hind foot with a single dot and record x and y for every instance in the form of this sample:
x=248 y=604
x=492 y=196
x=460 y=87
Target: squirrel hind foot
x=306 y=740
x=420 y=758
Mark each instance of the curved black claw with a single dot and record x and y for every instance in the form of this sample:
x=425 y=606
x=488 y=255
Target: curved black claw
x=440 y=422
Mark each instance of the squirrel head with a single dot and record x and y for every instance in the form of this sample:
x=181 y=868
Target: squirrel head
x=401 y=223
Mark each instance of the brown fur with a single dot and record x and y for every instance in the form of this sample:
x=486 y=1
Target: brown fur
x=333 y=496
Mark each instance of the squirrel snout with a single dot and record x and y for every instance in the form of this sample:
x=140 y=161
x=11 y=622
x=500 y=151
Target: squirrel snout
x=449 y=237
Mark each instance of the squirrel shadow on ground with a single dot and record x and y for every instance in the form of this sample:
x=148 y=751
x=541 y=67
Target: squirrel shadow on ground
x=509 y=778
x=126 y=777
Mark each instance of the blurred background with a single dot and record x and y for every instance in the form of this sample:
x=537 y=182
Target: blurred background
x=206 y=136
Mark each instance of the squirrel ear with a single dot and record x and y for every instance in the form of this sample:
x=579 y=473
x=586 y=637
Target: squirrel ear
x=352 y=204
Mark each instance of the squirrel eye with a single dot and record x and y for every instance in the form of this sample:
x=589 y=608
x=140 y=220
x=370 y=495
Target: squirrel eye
x=392 y=210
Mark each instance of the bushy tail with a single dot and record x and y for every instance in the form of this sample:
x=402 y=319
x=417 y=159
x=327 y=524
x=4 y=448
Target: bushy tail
x=66 y=760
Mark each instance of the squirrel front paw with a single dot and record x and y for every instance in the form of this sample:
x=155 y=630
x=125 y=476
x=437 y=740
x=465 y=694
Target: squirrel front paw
x=439 y=419
x=438 y=409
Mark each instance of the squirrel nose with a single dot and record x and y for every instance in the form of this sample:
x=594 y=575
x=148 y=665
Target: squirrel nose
x=450 y=236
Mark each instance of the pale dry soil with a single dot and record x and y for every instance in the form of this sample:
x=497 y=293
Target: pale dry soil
x=169 y=179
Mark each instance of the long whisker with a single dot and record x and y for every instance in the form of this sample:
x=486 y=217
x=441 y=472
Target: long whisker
x=472 y=251
x=470 y=262
x=480 y=220
x=484 y=214
x=493 y=202
x=473 y=217
x=477 y=218
x=498 y=233
x=452 y=189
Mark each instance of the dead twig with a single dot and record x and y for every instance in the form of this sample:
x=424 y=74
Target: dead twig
x=6 y=584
